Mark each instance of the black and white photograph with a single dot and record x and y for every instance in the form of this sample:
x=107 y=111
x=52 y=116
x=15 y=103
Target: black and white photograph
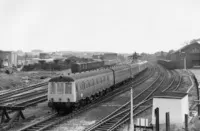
x=99 y=65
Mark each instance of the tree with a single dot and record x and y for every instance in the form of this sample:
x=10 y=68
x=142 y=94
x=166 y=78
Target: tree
x=134 y=57
x=42 y=62
x=171 y=51
x=56 y=61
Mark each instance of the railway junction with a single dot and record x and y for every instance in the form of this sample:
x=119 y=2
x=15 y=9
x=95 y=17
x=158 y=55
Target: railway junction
x=26 y=109
x=112 y=112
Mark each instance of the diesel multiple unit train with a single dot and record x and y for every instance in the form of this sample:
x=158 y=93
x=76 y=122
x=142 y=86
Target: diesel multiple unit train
x=73 y=91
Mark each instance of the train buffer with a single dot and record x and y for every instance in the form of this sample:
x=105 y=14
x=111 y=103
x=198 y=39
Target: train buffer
x=5 y=116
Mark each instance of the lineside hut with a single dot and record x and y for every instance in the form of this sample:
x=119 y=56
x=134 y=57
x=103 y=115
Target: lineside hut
x=175 y=103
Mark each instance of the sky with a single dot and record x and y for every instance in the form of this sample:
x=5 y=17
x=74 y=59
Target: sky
x=122 y=26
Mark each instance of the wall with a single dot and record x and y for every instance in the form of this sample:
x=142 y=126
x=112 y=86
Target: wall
x=174 y=106
x=185 y=106
x=193 y=53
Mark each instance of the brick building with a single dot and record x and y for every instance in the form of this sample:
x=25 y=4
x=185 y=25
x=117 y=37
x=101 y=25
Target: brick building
x=192 y=54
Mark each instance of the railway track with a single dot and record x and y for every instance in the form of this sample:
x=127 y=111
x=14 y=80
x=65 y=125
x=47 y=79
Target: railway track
x=117 y=117
x=175 y=82
x=51 y=121
x=15 y=98
x=178 y=82
x=29 y=102
x=122 y=115
x=21 y=90
x=24 y=97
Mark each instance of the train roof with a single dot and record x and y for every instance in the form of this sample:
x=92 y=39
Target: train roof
x=95 y=61
x=171 y=95
x=90 y=73
x=61 y=79
x=76 y=76
x=96 y=72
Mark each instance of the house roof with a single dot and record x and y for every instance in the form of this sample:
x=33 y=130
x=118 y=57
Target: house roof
x=171 y=95
x=186 y=46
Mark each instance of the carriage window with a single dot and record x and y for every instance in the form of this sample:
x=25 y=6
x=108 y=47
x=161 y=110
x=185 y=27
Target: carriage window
x=92 y=81
x=83 y=85
x=86 y=84
x=81 y=65
x=100 y=80
x=108 y=78
x=77 y=86
x=60 y=88
x=68 y=88
x=104 y=78
x=52 y=87
x=97 y=81
x=84 y=66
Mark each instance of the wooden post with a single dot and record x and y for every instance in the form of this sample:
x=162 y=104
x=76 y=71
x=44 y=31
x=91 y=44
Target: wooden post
x=186 y=122
x=2 y=118
x=132 y=124
x=167 y=122
x=185 y=66
x=21 y=114
x=15 y=116
x=198 y=105
x=5 y=117
x=4 y=114
x=157 y=119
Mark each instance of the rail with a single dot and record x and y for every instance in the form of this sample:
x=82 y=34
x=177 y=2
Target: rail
x=42 y=125
x=109 y=122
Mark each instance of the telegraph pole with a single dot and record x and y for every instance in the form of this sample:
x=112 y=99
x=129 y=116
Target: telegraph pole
x=132 y=124
x=185 y=63
x=184 y=59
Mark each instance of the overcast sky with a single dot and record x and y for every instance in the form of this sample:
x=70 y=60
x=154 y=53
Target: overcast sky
x=98 y=25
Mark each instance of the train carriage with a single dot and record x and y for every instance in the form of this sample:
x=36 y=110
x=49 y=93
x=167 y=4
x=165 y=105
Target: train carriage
x=67 y=92
x=121 y=73
x=93 y=82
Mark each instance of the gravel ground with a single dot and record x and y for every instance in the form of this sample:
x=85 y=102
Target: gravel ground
x=195 y=122
x=186 y=83
x=79 y=123
x=36 y=113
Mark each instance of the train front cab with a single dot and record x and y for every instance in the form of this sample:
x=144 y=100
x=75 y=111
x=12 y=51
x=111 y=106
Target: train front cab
x=61 y=95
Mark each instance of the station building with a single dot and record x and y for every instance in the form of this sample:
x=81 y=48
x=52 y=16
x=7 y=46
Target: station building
x=190 y=52
x=173 y=102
